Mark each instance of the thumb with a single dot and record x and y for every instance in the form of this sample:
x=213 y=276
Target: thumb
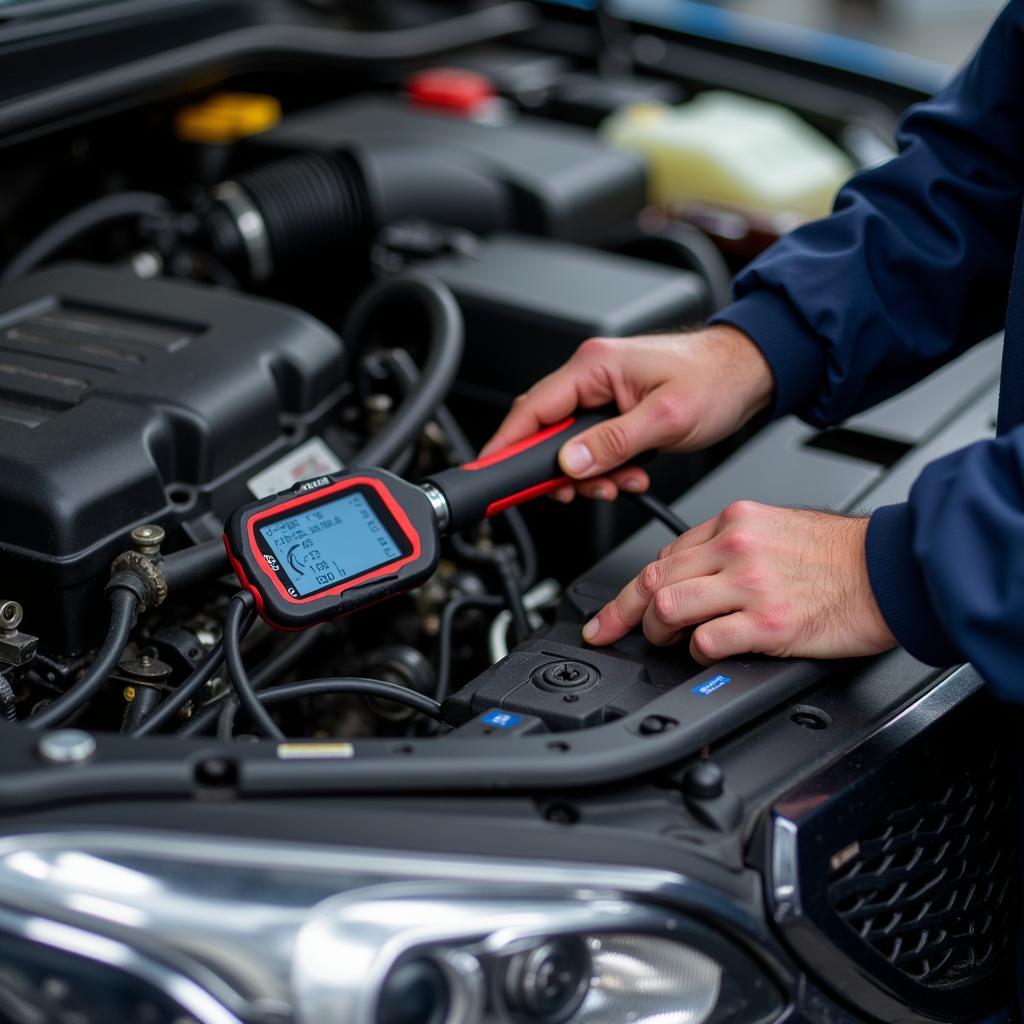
x=612 y=443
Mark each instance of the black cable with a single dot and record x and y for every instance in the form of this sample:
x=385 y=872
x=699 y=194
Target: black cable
x=439 y=369
x=505 y=566
x=512 y=517
x=407 y=374
x=123 y=603
x=445 y=635
x=199 y=677
x=58 y=669
x=284 y=658
x=275 y=666
x=499 y=559
x=195 y=564
x=344 y=684
x=76 y=223
x=659 y=510
x=240 y=680
x=523 y=540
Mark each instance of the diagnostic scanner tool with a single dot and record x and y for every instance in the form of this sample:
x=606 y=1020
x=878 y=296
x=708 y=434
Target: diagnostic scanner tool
x=339 y=543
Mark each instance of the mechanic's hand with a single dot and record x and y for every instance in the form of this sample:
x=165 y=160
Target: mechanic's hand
x=676 y=392
x=756 y=579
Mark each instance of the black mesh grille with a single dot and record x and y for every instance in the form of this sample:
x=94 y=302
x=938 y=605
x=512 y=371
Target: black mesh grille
x=933 y=888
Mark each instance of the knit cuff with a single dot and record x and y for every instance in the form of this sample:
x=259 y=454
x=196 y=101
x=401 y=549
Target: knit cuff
x=796 y=357
x=901 y=590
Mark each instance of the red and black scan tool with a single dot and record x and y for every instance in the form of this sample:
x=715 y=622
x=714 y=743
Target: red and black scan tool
x=339 y=543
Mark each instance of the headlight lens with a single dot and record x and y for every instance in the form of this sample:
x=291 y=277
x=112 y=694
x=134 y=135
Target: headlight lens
x=650 y=981
x=415 y=992
x=548 y=983
x=299 y=934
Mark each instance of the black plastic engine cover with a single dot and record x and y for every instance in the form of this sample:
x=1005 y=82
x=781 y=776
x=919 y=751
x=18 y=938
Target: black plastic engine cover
x=125 y=401
x=525 y=174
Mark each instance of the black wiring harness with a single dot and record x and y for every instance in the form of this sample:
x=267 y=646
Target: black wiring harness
x=139 y=585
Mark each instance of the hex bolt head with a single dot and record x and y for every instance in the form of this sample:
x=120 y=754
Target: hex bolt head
x=66 y=746
x=10 y=614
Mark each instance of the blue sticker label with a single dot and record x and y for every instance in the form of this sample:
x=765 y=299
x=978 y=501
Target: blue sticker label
x=501 y=719
x=710 y=685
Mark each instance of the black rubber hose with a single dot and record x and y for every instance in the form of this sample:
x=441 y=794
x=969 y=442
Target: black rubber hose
x=142 y=705
x=59 y=670
x=660 y=511
x=123 y=603
x=312 y=206
x=444 y=354
x=445 y=635
x=78 y=222
x=408 y=376
x=199 y=677
x=195 y=564
x=378 y=688
x=240 y=680
x=685 y=246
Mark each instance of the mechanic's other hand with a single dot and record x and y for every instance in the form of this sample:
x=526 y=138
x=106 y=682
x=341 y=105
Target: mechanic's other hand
x=676 y=392
x=756 y=579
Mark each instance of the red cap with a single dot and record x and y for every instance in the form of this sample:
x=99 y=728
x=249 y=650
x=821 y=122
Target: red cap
x=451 y=89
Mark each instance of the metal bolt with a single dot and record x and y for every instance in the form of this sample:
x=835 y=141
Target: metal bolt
x=704 y=781
x=67 y=746
x=378 y=410
x=147 y=539
x=10 y=614
x=128 y=693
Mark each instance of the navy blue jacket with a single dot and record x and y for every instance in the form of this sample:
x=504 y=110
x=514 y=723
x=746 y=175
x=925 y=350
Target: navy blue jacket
x=917 y=263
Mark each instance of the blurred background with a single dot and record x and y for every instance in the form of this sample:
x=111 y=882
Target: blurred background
x=941 y=30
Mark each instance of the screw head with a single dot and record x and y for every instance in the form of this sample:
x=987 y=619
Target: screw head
x=66 y=746
x=564 y=675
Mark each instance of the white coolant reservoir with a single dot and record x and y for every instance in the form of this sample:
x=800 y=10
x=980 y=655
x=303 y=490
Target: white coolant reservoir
x=730 y=150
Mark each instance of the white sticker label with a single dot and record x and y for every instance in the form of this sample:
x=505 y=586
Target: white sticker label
x=311 y=458
x=315 y=751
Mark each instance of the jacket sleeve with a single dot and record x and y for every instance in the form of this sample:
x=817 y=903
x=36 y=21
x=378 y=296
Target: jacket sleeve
x=913 y=265
x=947 y=566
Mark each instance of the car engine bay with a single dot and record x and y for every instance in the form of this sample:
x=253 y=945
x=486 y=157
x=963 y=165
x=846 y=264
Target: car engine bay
x=143 y=401
x=302 y=243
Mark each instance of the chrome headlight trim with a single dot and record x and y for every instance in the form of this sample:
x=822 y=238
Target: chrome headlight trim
x=243 y=920
x=65 y=938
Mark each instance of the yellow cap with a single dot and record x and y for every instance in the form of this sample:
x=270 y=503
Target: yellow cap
x=227 y=117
